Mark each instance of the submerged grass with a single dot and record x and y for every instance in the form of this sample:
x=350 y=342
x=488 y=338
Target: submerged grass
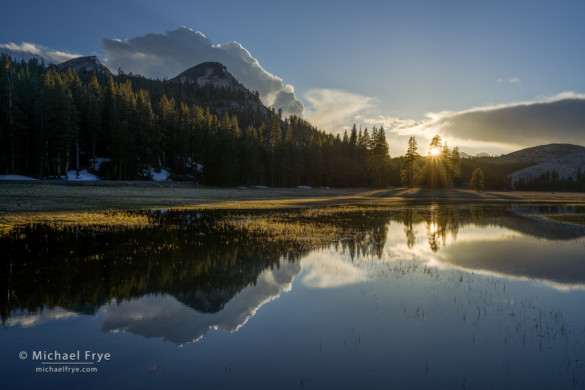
x=110 y=218
x=316 y=211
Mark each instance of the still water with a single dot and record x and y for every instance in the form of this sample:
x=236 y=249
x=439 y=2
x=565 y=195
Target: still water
x=454 y=297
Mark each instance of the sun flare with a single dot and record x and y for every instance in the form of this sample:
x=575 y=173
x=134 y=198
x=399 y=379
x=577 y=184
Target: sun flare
x=435 y=151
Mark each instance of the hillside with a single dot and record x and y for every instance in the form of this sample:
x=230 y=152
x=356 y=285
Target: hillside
x=202 y=126
x=554 y=166
x=539 y=154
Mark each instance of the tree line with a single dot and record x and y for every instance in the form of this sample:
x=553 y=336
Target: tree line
x=53 y=121
x=551 y=181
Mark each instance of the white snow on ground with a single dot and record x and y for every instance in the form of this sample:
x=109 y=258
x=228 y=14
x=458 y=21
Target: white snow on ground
x=565 y=166
x=15 y=177
x=84 y=175
x=163 y=175
x=305 y=187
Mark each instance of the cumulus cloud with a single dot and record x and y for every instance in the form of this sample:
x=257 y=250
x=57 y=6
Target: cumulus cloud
x=334 y=109
x=166 y=55
x=560 y=119
x=28 y=50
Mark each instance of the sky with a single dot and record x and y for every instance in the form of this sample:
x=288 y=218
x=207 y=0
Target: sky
x=487 y=76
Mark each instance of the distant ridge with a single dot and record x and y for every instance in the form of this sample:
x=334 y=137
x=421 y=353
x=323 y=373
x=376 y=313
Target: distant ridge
x=209 y=72
x=87 y=64
x=541 y=153
x=565 y=159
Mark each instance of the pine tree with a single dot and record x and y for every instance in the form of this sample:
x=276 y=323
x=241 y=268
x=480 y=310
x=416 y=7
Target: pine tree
x=477 y=181
x=94 y=102
x=437 y=171
x=409 y=171
x=455 y=163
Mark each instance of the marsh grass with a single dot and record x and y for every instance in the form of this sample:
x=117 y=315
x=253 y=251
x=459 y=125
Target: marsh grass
x=106 y=219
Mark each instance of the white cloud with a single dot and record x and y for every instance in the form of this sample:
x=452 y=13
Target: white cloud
x=333 y=109
x=166 y=55
x=27 y=319
x=401 y=127
x=325 y=270
x=28 y=50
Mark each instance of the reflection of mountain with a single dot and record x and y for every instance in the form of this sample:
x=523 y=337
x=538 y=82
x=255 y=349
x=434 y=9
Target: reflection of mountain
x=164 y=316
x=81 y=269
x=206 y=260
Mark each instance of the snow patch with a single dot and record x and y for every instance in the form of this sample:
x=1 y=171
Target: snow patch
x=15 y=177
x=305 y=187
x=84 y=175
x=565 y=166
x=163 y=175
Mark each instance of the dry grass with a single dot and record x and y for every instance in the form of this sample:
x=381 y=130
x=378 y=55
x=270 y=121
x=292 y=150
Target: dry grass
x=106 y=219
x=81 y=203
x=54 y=196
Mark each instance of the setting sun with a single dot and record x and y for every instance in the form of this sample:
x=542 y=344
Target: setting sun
x=435 y=151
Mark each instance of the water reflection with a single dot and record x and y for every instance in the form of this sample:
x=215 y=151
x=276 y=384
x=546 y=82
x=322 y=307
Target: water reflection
x=170 y=318
x=189 y=272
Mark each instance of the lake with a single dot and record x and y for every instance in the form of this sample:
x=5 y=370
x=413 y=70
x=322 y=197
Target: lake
x=408 y=297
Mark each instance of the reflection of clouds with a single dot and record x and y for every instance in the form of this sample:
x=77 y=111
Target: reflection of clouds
x=327 y=270
x=26 y=319
x=499 y=252
x=164 y=316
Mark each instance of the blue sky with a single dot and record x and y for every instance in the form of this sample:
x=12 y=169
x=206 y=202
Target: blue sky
x=387 y=62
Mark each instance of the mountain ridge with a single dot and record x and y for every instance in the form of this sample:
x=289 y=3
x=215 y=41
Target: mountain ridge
x=209 y=72
x=86 y=63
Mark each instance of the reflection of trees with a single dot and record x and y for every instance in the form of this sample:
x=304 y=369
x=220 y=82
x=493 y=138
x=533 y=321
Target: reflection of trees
x=198 y=257
x=439 y=222
x=81 y=269
x=443 y=220
x=409 y=217
x=476 y=213
x=206 y=258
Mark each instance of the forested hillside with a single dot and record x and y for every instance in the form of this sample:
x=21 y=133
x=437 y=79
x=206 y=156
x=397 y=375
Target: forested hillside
x=55 y=120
